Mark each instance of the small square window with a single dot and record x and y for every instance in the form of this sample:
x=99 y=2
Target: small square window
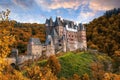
x=60 y=45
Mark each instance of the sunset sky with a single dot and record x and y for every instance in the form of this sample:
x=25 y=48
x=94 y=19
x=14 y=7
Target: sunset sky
x=36 y=11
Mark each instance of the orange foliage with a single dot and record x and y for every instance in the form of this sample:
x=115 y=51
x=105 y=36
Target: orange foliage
x=54 y=64
x=111 y=76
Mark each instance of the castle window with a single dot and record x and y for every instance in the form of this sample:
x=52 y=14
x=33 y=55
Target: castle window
x=59 y=40
x=71 y=39
x=60 y=45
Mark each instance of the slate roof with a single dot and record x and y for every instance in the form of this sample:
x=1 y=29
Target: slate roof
x=64 y=22
x=58 y=21
x=81 y=27
x=35 y=41
x=48 y=40
x=69 y=23
x=50 y=22
x=54 y=32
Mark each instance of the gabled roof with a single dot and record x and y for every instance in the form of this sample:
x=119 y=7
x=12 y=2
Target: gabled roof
x=51 y=22
x=35 y=41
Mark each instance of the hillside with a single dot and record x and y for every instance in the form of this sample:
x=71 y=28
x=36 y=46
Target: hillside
x=23 y=32
x=80 y=63
x=103 y=33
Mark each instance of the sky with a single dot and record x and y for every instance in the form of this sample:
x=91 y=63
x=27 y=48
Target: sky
x=36 y=11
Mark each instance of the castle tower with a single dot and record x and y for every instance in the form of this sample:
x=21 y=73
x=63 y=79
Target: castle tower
x=50 y=46
x=82 y=37
x=59 y=26
x=49 y=26
x=34 y=47
x=64 y=41
x=71 y=35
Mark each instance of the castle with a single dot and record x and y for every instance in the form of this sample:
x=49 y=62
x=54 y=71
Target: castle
x=61 y=35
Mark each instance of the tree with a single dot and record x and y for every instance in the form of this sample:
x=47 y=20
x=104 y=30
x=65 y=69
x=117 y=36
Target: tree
x=111 y=76
x=4 y=15
x=37 y=73
x=104 y=32
x=85 y=77
x=54 y=64
x=97 y=70
x=76 y=77
x=6 y=40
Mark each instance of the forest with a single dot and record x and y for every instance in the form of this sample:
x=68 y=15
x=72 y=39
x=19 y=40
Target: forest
x=23 y=32
x=103 y=34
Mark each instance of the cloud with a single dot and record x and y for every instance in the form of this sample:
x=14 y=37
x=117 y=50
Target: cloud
x=69 y=4
x=24 y=3
x=104 y=4
x=97 y=8
x=85 y=17
x=56 y=4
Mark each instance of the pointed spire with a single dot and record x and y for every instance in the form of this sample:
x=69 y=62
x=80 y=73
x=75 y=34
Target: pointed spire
x=58 y=21
x=47 y=22
x=51 y=21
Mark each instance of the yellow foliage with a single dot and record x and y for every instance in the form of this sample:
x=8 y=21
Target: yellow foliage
x=85 y=77
x=37 y=73
x=117 y=53
x=54 y=64
x=6 y=40
x=111 y=76
x=76 y=77
x=9 y=73
x=93 y=46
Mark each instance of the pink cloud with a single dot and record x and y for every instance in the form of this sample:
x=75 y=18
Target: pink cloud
x=104 y=4
x=23 y=3
x=55 y=4
x=84 y=17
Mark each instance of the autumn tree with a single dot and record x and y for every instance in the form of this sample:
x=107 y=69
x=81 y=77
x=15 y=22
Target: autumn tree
x=85 y=77
x=4 y=15
x=37 y=73
x=97 y=70
x=6 y=41
x=103 y=33
x=54 y=64
x=76 y=77
x=111 y=76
